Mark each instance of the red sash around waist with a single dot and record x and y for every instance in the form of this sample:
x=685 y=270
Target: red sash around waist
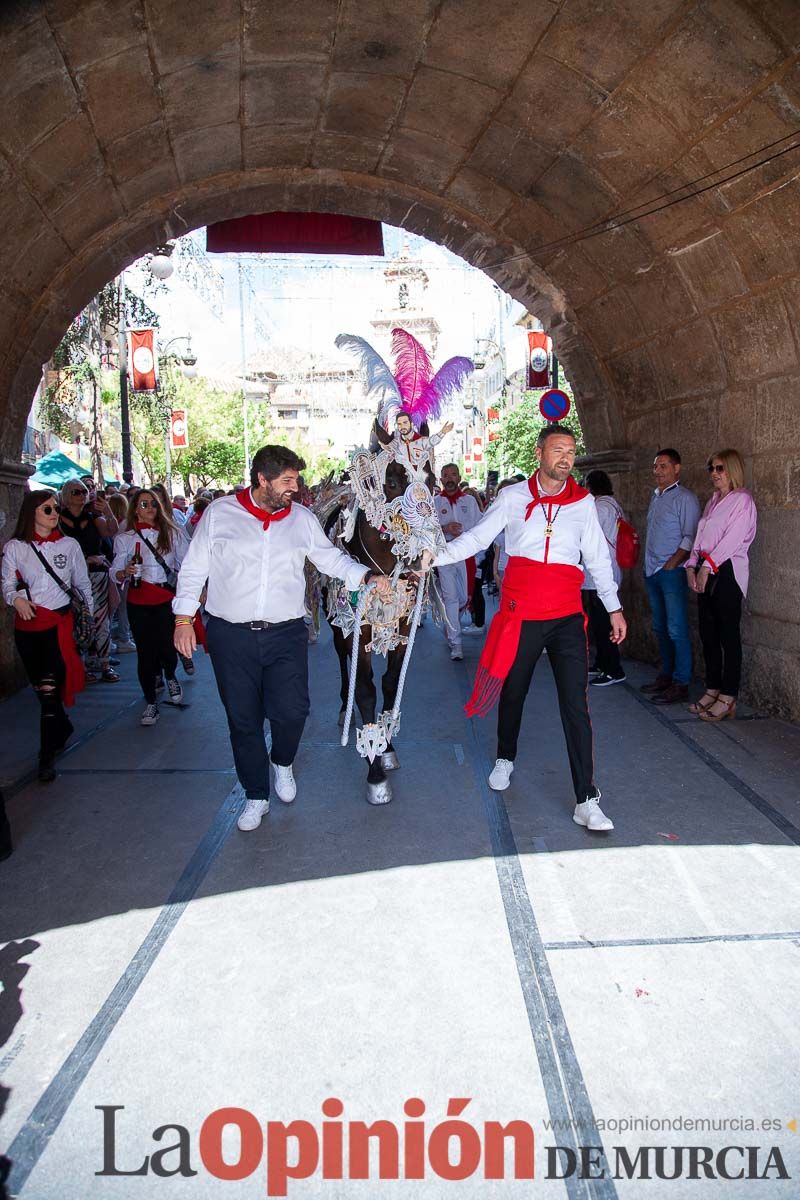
x=74 y=674
x=150 y=593
x=532 y=591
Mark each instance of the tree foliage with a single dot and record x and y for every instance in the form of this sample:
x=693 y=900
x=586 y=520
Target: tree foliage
x=515 y=449
x=214 y=461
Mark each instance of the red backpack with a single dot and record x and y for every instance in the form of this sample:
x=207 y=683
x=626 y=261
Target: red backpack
x=627 y=547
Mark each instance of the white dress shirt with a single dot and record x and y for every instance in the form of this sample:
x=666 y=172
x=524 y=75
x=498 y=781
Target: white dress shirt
x=152 y=571
x=257 y=574
x=65 y=558
x=466 y=511
x=576 y=534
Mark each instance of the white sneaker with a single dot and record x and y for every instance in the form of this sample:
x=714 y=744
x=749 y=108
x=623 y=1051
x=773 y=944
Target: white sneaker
x=456 y=653
x=251 y=816
x=473 y=631
x=175 y=692
x=500 y=777
x=590 y=814
x=126 y=647
x=285 y=786
x=150 y=715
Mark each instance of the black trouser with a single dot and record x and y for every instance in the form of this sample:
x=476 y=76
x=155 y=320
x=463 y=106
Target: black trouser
x=478 y=604
x=565 y=641
x=719 y=617
x=153 y=629
x=261 y=675
x=44 y=666
x=606 y=656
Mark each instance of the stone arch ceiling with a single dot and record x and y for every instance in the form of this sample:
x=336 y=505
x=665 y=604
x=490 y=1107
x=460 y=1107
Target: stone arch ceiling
x=494 y=129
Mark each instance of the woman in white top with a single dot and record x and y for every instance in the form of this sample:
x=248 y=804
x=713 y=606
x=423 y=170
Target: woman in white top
x=43 y=620
x=151 y=592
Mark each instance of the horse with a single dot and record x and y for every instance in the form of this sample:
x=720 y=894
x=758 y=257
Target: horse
x=374 y=549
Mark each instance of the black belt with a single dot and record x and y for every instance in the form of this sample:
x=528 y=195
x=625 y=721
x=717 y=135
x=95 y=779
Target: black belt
x=259 y=625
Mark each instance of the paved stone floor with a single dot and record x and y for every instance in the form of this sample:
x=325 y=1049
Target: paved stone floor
x=455 y=943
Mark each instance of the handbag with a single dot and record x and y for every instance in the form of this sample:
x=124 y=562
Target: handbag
x=82 y=619
x=171 y=583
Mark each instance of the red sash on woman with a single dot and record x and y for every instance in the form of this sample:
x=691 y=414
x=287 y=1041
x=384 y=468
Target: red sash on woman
x=532 y=591
x=149 y=594
x=46 y=618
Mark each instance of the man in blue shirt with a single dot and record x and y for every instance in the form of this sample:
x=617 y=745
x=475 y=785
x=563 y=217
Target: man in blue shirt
x=671 y=525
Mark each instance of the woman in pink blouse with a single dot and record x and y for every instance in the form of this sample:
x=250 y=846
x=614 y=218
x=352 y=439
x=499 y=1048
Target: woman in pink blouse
x=718 y=571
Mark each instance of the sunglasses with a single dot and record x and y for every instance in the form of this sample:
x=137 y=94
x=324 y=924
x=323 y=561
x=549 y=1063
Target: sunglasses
x=147 y=504
x=48 y=510
x=78 y=492
x=715 y=469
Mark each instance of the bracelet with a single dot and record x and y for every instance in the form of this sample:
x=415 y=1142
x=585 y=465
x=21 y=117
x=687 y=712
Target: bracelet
x=184 y=621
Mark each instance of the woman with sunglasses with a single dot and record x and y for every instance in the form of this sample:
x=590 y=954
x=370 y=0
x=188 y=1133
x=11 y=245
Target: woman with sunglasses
x=43 y=620
x=718 y=570
x=161 y=547
x=81 y=520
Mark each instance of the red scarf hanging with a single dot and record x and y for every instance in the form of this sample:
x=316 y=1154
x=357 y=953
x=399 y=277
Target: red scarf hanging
x=266 y=518
x=532 y=591
x=74 y=674
x=53 y=536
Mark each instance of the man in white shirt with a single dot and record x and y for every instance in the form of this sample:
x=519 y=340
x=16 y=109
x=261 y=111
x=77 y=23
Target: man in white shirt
x=457 y=513
x=252 y=548
x=550 y=524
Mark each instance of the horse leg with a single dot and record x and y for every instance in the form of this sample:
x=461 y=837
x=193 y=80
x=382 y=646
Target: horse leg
x=389 y=684
x=379 y=790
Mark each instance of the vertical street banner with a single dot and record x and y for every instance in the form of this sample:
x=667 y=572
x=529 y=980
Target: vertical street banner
x=142 y=360
x=178 y=430
x=477 y=450
x=539 y=347
x=467 y=464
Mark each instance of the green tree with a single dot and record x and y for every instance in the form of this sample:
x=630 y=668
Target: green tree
x=515 y=449
x=214 y=461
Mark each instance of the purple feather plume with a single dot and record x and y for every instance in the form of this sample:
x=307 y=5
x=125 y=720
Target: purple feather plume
x=412 y=369
x=448 y=380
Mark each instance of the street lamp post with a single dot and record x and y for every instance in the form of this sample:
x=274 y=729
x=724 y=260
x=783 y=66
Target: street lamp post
x=124 y=408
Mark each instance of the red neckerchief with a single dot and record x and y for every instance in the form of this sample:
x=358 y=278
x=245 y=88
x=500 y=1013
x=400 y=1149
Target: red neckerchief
x=456 y=496
x=140 y=525
x=266 y=519
x=53 y=536
x=569 y=494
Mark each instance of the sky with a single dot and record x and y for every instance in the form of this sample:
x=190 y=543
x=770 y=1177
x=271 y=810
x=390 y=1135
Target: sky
x=304 y=301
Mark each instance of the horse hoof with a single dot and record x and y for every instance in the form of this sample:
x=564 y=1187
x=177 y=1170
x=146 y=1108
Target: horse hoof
x=390 y=761
x=342 y=716
x=379 y=793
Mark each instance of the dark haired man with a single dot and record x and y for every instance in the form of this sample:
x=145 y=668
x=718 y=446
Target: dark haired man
x=672 y=520
x=252 y=548
x=457 y=511
x=550 y=525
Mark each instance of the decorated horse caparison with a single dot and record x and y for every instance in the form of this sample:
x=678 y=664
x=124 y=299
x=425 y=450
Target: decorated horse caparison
x=385 y=518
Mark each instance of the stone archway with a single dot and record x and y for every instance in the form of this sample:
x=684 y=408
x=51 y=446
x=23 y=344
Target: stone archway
x=500 y=134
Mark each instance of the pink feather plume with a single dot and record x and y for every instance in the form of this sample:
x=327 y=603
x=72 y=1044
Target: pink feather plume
x=412 y=369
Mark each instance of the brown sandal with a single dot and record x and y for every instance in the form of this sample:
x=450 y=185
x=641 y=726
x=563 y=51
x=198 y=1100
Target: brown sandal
x=729 y=711
x=699 y=707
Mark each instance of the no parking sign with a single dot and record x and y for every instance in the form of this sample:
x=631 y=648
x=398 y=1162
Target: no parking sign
x=554 y=405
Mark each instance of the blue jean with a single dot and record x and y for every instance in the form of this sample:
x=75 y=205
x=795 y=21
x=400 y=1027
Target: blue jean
x=668 y=593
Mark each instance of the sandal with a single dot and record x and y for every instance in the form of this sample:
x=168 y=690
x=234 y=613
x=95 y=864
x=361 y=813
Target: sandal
x=109 y=676
x=728 y=710
x=699 y=707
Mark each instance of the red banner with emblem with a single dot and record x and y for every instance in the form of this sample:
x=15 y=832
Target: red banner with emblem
x=539 y=346
x=178 y=431
x=143 y=360
x=477 y=449
x=295 y=233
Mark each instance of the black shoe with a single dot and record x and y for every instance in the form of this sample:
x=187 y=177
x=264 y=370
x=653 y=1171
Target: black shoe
x=187 y=665
x=114 y=662
x=603 y=680
x=676 y=692
x=47 y=771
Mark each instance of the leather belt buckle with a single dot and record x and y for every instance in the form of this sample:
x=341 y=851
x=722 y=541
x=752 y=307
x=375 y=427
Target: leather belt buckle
x=259 y=625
